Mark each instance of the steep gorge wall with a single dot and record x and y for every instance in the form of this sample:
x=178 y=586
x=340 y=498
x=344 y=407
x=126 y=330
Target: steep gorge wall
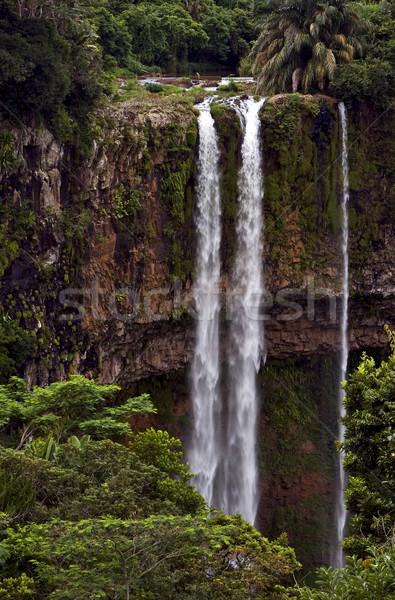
x=118 y=229
x=107 y=234
x=299 y=383
x=114 y=233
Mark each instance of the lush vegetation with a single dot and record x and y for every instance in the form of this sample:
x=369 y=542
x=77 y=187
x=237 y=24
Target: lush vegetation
x=337 y=46
x=49 y=64
x=371 y=78
x=16 y=346
x=58 y=59
x=90 y=510
x=369 y=448
x=301 y=43
x=370 y=451
x=109 y=514
x=372 y=577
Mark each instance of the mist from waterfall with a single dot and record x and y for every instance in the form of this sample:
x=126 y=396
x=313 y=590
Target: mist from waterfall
x=223 y=452
x=205 y=451
x=341 y=513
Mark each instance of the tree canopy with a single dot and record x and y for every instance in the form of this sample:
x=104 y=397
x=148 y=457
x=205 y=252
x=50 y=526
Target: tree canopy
x=301 y=43
x=83 y=516
x=369 y=446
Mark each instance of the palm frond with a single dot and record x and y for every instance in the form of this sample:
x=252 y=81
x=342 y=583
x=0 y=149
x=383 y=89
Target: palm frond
x=319 y=51
x=275 y=47
x=314 y=30
x=330 y=64
x=343 y=57
x=340 y=38
x=310 y=35
x=302 y=40
x=308 y=76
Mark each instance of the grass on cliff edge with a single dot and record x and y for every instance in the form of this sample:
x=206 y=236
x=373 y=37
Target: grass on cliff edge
x=159 y=91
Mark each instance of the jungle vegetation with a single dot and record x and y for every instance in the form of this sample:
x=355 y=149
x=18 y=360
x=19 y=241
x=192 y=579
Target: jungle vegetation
x=89 y=509
x=302 y=42
x=336 y=46
x=57 y=59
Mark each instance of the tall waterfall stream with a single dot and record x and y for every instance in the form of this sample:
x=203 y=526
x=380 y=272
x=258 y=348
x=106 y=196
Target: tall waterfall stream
x=341 y=515
x=225 y=464
x=222 y=452
x=205 y=452
x=246 y=331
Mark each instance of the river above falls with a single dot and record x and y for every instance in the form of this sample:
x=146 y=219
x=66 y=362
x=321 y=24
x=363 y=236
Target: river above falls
x=208 y=82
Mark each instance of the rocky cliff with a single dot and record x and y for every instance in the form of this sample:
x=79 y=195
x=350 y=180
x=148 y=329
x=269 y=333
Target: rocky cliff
x=105 y=274
x=98 y=257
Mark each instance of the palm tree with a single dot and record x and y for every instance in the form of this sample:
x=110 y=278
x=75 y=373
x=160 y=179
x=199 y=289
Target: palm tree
x=302 y=42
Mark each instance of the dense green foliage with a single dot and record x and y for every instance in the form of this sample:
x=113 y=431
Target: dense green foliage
x=370 y=451
x=369 y=447
x=301 y=43
x=56 y=60
x=373 y=77
x=359 y=580
x=85 y=517
x=88 y=517
x=48 y=64
x=172 y=33
x=16 y=346
x=68 y=408
x=165 y=557
x=344 y=47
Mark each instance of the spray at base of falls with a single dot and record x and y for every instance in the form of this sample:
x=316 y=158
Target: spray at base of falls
x=341 y=513
x=225 y=465
x=205 y=454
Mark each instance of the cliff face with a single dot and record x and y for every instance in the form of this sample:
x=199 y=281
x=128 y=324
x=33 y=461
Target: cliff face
x=98 y=259
x=106 y=272
x=94 y=277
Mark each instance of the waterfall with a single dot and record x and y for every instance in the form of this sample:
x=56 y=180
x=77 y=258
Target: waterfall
x=223 y=453
x=246 y=331
x=341 y=513
x=205 y=452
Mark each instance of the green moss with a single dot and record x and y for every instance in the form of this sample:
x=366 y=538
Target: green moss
x=9 y=160
x=127 y=202
x=176 y=190
x=372 y=203
x=150 y=231
x=17 y=222
x=147 y=162
x=302 y=183
x=191 y=135
x=173 y=186
x=73 y=223
x=229 y=137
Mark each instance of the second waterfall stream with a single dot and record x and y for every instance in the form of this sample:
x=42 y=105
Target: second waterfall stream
x=223 y=453
x=338 y=560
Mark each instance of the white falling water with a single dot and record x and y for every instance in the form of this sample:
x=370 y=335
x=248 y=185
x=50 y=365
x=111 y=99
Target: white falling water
x=239 y=492
x=205 y=452
x=341 y=514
